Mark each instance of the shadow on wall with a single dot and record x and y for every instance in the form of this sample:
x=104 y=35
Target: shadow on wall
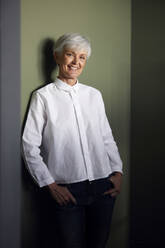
x=47 y=64
x=36 y=207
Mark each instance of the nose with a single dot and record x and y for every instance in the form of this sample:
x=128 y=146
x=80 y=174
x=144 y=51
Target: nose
x=75 y=60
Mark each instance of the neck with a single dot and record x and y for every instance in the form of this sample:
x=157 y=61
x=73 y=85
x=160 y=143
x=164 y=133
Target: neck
x=70 y=81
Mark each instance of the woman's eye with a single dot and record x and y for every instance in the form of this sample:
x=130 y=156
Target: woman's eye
x=69 y=54
x=82 y=57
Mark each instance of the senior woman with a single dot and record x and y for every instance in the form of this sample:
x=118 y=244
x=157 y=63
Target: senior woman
x=69 y=149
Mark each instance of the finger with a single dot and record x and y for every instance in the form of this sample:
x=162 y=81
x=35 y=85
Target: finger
x=56 y=197
x=71 y=197
x=111 y=194
x=66 y=196
x=111 y=179
x=59 y=197
x=65 y=193
x=59 y=201
x=110 y=191
x=62 y=193
x=115 y=188
x=64 y=199
x=114 y=194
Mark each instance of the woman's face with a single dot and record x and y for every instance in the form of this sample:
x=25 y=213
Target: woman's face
x=71 y=63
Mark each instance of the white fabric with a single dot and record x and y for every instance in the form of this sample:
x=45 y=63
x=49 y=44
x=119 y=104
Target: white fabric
x=67 y=137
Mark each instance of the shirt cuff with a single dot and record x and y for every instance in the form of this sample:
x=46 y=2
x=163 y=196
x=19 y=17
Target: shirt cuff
x=46 y=182
x=117 y=170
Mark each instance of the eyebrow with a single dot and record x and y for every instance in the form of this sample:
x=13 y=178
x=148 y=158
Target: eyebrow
x=83 y=53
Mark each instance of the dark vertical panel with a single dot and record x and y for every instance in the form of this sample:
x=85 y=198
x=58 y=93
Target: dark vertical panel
x=147 y=124
x=10 y=124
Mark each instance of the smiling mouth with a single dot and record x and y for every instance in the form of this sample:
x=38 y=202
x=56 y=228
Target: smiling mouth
x=73 y=68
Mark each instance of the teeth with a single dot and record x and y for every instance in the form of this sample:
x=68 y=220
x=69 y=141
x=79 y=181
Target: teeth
x=73 y=68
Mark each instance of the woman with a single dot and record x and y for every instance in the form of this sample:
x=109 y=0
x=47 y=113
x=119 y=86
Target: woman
x=69 y=149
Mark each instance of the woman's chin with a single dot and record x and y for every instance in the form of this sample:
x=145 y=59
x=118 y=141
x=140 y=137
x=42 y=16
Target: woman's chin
x=73 y=76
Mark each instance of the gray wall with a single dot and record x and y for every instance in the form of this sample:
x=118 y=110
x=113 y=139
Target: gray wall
x=147 y=124
x=10 y=175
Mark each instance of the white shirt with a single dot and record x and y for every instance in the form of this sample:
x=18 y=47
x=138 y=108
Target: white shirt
x=67 y=137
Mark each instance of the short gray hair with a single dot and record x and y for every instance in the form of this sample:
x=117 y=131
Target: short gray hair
x=73 y=40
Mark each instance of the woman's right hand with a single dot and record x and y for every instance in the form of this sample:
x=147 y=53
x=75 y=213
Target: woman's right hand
x=61 y=194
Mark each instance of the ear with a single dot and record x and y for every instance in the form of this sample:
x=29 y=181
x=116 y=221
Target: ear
x=56 y=57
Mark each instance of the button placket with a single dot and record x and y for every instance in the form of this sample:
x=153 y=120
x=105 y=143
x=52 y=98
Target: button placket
x=82 y=133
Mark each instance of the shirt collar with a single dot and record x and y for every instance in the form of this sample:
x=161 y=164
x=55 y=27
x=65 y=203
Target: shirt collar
x=66 y=87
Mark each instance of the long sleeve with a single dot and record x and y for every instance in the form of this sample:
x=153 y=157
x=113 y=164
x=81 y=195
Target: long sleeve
x=67 y=137
x=32 y=140
x=109 y=142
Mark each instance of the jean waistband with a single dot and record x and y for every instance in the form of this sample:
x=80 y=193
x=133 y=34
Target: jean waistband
x=95 y=181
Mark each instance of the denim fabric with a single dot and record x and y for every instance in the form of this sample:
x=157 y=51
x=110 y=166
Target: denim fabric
x=86 y=224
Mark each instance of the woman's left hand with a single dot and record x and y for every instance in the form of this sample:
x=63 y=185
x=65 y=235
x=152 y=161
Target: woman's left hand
x=116 y=180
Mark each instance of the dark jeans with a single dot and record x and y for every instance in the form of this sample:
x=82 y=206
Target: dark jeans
x=87 y=224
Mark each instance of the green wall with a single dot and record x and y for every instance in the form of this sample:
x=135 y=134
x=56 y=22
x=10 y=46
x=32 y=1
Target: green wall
x=108 y=25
